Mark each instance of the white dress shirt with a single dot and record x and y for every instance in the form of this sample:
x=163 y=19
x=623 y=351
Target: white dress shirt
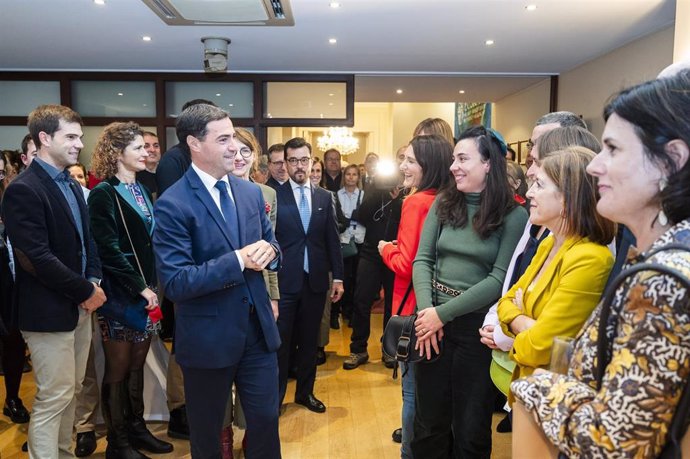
x=210 y=183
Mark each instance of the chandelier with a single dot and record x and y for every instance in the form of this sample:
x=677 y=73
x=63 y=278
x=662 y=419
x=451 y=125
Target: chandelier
x=339 y=138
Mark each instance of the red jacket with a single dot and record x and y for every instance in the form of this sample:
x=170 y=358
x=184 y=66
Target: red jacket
x=399 y=257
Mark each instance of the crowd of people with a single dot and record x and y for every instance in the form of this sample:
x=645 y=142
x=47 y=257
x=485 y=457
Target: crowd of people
x=254 y=258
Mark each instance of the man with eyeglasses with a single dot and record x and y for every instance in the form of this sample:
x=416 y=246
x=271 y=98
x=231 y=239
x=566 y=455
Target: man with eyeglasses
x=333 y=172
x=307 y=230
x=276 y=166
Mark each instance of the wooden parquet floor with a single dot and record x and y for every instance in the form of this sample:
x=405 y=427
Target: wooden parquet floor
x=363 y=409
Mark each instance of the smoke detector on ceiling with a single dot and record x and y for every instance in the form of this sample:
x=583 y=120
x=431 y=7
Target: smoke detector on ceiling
x=215 y=54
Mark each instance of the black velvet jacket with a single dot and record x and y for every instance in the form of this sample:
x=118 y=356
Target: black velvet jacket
x=114 y=248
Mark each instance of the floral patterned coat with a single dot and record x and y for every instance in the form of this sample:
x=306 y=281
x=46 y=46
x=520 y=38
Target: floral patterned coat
x=649 y=328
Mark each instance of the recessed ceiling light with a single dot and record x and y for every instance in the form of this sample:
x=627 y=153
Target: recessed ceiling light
x=321 y=115
x=269 y=115
x=531 y=7
x=399 y=91
x=489 y=42
x=330 y=103
x=144 y=105
x=334 y=5
x=332 y=41
x=462 y=91
x=120 y=94
x=217 y=94
x=99 y=2
x=146 y=38
x=231 y=105
x=331 y=94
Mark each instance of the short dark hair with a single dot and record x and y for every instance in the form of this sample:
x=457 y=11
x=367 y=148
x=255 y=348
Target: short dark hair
x=194 y=121
x=330 y=150
x=46 y=118
x=295 y=143
x=496 y=201
x=193 y=102
x=275 y=147
x=435 y=155
x=370 y=155
x=512 y=152
x=659 y=111
x=563 y=118
x=25 y=144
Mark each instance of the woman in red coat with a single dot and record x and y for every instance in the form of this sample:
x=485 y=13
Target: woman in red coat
x=426 y=170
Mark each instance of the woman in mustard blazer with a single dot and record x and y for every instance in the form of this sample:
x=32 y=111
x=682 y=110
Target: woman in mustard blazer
x=565 y=280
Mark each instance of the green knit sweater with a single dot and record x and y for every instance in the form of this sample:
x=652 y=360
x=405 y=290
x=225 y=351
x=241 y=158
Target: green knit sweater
x=465 y=261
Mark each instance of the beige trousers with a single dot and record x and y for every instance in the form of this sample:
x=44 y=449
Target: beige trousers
x=59 y=361
x=88 y=398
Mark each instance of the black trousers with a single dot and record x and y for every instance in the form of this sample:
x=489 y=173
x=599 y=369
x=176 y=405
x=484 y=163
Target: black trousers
x=371 y=275
x=345 y=305
x=298 y=324
x=454 y=399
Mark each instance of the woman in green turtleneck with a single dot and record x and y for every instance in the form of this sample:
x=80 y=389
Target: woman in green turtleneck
x=465 y=248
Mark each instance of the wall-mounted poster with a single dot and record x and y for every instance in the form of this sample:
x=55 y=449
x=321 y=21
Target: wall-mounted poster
x=471 y=114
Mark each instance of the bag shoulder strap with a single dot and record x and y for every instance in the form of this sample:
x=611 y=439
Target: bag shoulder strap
x=129 y=237
x=404 y=300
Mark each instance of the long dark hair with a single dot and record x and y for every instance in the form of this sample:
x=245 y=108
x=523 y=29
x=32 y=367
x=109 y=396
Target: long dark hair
x=496 y=200
x=435 y=155
x=659 y=111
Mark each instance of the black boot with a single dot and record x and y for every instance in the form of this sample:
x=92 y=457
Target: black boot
x=115 y=403
x=139 y=435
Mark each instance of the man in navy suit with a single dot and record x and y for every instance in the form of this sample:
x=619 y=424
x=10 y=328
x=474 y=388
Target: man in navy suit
x=212 y=240
x=307 y=230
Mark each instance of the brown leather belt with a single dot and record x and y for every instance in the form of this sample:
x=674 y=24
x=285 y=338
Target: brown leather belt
x=447 y=290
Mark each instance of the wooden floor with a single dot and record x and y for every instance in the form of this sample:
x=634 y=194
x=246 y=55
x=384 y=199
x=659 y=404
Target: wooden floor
x=363 y=409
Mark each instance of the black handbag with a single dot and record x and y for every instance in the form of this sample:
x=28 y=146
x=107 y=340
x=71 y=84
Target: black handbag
x=678 y=429
x=121 y=305
x=399 y=337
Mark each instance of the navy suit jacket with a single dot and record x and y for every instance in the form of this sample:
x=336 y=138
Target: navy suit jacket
x=321 y=239
x=201 y=274
x=48 y=251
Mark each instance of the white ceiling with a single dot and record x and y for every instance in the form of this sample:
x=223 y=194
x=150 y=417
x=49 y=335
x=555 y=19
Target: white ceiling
x=438 y=42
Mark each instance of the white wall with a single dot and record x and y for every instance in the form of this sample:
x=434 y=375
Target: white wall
x=585 y=89
x=406 y=117
x=514 y=116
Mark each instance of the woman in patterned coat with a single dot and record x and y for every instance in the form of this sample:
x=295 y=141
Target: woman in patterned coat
x=643 y=176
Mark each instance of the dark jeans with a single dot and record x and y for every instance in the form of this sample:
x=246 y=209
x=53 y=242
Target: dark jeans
x=454 y=400
x=371 y=275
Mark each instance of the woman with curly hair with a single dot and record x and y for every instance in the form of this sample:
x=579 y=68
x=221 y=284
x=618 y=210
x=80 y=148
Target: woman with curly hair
x=122 y=220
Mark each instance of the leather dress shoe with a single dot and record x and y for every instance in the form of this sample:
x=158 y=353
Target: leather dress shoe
x=86 y=444
x=311 y=403
x=14 y=408
x=178 y=427
x=320 y=356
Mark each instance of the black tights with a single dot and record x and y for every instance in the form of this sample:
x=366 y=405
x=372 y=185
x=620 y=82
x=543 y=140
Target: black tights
x=122 y=357
x=13 y=357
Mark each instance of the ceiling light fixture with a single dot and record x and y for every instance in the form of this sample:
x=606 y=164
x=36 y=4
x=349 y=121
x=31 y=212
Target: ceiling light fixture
x=462 y=91
x=120 y=94
x=489 y=42
x=146 y=38
x=531 y=7
x=99 y=2
x=217 y=94
x=334 y=5
x=340 y=138
x=399 y=91
x=332 y=41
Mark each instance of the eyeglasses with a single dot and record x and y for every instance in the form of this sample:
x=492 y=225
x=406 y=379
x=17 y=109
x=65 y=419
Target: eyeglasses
x=304 y=160
x=245 y=152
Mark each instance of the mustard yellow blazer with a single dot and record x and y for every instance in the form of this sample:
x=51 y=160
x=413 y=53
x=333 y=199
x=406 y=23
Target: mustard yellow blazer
x=560 y=301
